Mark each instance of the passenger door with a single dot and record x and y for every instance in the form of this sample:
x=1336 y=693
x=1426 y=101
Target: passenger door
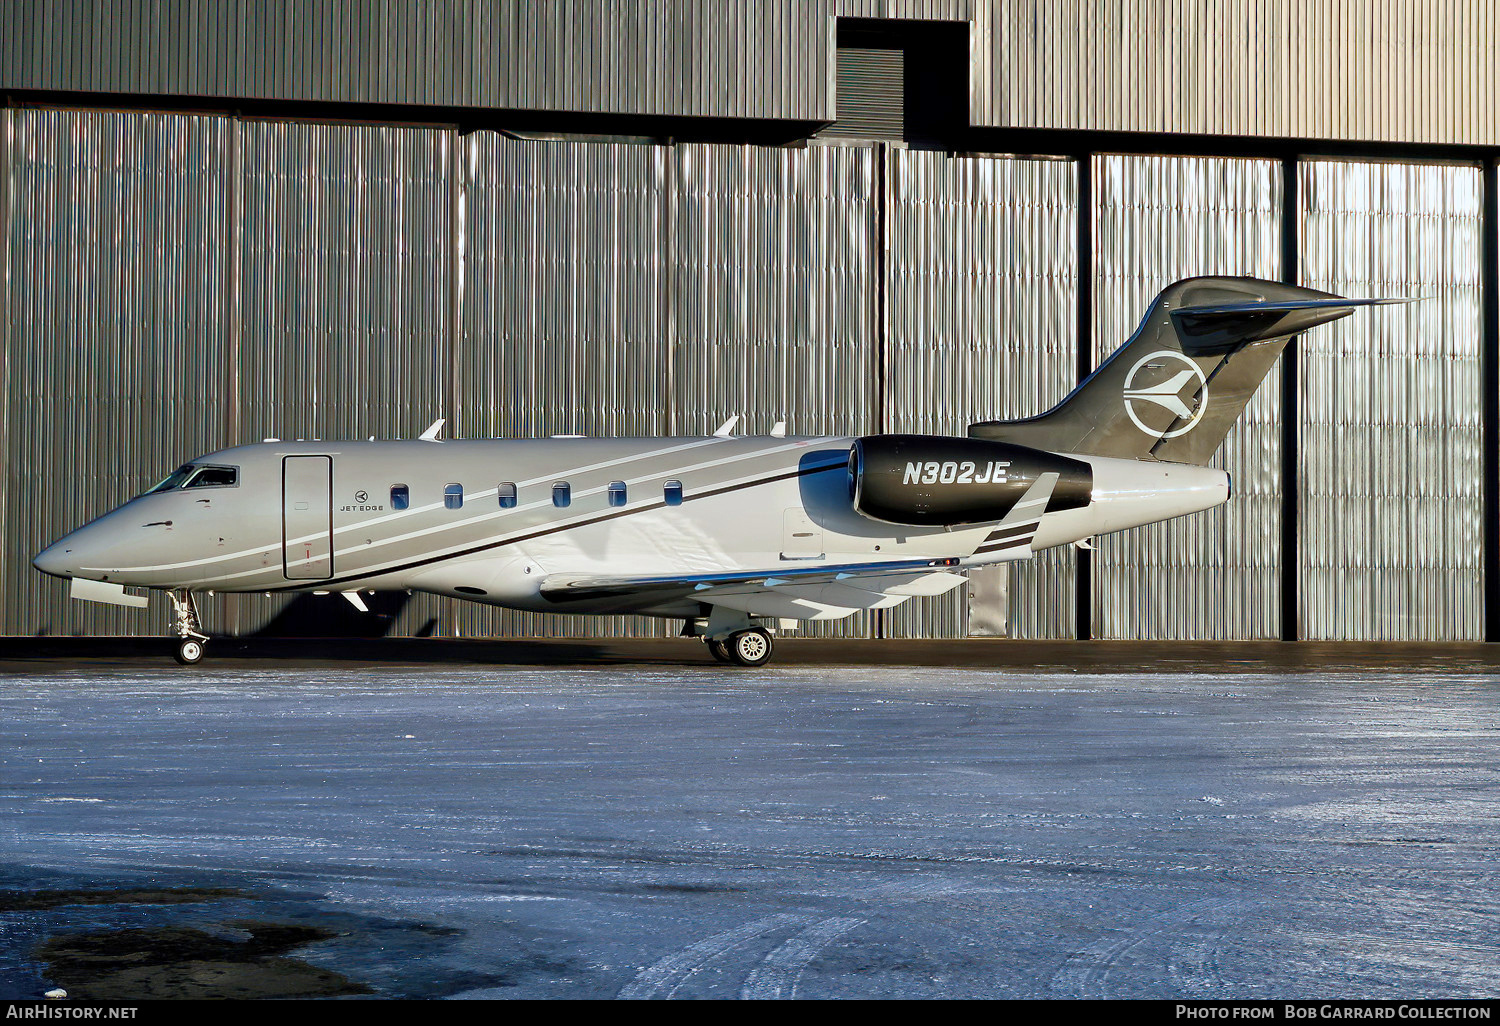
x=307 y=517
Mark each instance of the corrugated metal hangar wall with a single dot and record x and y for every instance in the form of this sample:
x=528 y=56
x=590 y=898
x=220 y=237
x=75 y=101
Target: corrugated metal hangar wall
x=178 y=282
x=1396 y=70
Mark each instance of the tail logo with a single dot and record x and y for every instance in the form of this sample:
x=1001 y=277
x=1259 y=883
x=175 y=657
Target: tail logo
x=1163 y=379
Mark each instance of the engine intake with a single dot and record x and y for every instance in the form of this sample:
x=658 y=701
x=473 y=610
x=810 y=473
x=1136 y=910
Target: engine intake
x=938 y=481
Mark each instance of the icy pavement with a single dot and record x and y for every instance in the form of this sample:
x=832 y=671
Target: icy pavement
x=810 y=832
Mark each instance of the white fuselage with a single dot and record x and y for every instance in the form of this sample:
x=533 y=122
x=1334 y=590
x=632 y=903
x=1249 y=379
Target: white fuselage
x=750 y=503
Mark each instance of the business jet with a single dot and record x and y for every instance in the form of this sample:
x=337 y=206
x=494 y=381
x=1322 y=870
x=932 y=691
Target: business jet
x=725 y=533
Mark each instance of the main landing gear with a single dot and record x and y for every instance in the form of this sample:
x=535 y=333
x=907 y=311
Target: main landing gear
x=733 y=639
x=748 y=648
x=188 y=628
x=743 y=648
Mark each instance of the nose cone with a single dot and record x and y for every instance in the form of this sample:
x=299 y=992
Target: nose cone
x=112 y=548
x=57 y=559
x=79 y=554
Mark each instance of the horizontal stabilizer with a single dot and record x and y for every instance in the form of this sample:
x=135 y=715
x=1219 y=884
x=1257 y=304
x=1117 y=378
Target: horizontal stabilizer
x=1217 y=326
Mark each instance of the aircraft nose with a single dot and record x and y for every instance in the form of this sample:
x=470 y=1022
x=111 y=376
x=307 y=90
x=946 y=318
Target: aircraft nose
x=57 y=559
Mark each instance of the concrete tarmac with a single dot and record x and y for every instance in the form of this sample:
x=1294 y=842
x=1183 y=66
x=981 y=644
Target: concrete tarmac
x=60 y=654
x=671 y=828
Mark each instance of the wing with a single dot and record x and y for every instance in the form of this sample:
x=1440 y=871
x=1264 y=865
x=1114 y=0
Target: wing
x=800 y=592
x=817 y=592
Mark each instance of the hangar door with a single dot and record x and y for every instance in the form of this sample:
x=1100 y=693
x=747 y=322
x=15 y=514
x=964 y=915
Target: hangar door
x=307 y=517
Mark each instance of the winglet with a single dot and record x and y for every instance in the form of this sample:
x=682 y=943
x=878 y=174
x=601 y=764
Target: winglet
x=779 y=431
x=431 y=434
x=726 y=427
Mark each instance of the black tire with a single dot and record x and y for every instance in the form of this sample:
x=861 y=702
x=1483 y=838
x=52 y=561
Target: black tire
x=189 y=652
x=719 y=650
x=750 y=648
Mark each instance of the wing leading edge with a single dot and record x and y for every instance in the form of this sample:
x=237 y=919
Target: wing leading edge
x=819 y=592
x=564 y=588
x=802 y=593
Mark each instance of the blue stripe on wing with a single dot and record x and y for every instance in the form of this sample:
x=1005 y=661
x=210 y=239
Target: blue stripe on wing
x=584 y=587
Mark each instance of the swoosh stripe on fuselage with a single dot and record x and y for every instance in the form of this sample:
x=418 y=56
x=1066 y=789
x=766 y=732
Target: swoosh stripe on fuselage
x=555 y=529
x=582 y=520
x=582 y=493
x=433 y=507
x=219 y=582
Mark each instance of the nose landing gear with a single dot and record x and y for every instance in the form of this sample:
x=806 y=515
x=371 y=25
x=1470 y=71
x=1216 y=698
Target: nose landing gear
x=188 y=628
x=189 y=651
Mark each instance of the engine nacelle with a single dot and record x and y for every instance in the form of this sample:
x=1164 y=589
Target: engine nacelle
x=937 y=481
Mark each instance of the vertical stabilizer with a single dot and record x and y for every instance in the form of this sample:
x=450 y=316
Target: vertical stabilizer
x=1173 y=391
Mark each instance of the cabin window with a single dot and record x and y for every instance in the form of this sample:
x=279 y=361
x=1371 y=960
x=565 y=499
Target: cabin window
x=672 y=492
x=453 y=496
x=400 y=496
x=617 y=493
x=214 y=477
x=507 y=493
x=562 y=494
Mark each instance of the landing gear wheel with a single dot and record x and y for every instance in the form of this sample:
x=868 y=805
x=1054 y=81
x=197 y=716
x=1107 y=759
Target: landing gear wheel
x=719 y=650
x=189 y=651
x=750 y=648
x=187 y=626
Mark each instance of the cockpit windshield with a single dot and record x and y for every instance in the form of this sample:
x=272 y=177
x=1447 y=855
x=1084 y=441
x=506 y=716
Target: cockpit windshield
x=175 y=478
x=214 y=477
x=192 y=475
